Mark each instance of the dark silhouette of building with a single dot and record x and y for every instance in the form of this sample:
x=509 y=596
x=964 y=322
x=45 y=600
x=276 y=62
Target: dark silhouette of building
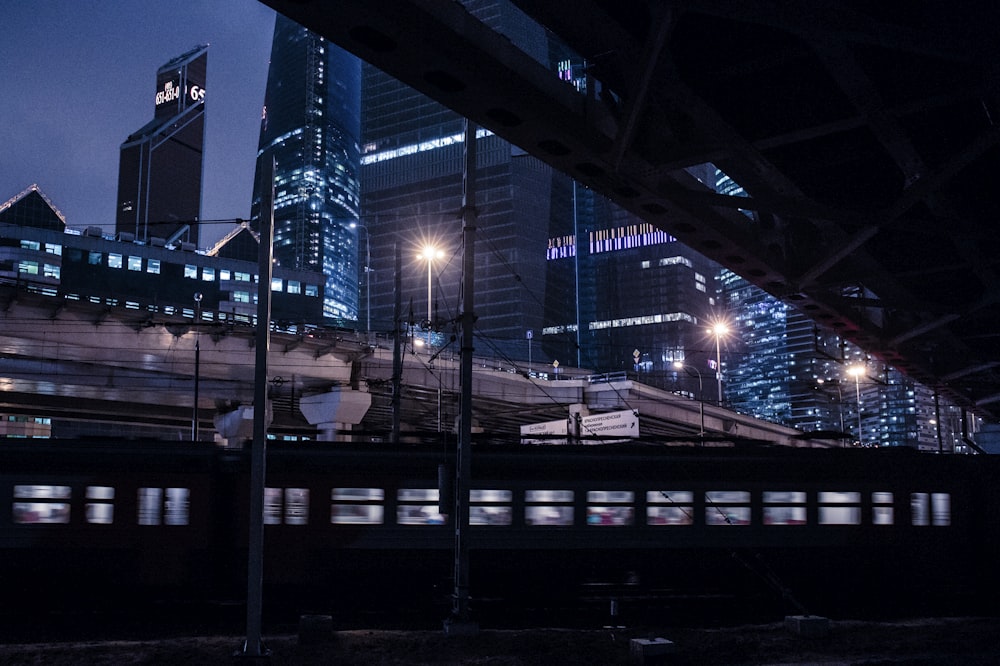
x=310 y=129
x=160 y=167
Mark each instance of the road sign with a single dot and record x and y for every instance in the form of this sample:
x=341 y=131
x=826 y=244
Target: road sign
x=623 y=423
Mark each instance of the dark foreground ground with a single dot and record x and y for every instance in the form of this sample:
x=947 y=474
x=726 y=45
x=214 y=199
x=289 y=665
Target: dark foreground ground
x=971 y=641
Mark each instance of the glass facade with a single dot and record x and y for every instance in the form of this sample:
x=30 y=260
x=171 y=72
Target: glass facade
x=310 y=128
x=160 y=165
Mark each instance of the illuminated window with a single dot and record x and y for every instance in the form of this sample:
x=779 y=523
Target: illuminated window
x=415 y=507
x=882 y=508
x=208 y=274
x=94 y=258
x=100 y=506
x=784 y=507
x=669 y=507
x=53 y=248
x=51 y=271
x=114 y=260
x=190 y=271
x=490 y=507
x=839 y=508
x=225 y=274
x=167 y=506
x=277 y=284
x=153 y=266
x=727 y=507
x=135 y=263
x=296 y=506
x=41 y=504
x=610 y=507
x=357 y=506
x=28 y=267
x=241 y=277
x=548 y=507
x=241 y=296
x=312 y=290
x=294 y=287
x=30 y=245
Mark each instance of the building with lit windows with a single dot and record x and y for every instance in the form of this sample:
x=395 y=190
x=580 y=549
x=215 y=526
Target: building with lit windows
x=160 y=166
x=412 y=174
x=310 y=128
x=41 y=254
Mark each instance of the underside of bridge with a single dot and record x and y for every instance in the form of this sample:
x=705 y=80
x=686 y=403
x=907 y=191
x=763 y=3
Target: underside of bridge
x=864 y=134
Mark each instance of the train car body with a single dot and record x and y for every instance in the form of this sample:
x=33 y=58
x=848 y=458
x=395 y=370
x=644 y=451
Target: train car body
x=844 y=532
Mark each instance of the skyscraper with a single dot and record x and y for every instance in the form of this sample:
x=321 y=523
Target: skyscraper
x=160 y=167
x=310 y=128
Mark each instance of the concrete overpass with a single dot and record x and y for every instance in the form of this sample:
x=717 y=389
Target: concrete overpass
x=85 y=363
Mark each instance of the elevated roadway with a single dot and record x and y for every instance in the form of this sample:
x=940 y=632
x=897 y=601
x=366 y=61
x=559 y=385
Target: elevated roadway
x=89 y=363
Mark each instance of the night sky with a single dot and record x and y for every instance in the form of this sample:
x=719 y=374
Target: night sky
x=79 y=76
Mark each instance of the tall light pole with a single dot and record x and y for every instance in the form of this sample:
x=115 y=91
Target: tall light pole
x=701 y=391
x=719 y=329
x=430 y=253
x=197 y=364
x=857 y=371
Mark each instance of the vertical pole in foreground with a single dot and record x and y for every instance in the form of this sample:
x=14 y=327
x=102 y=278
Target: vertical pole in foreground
x=255 y=558
x=459 y=623
x=397 y=354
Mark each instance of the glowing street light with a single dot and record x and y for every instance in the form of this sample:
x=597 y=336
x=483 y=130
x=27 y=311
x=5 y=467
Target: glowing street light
x=719 y=330
x=680 y=365
x=430 y=253
x=857 y=371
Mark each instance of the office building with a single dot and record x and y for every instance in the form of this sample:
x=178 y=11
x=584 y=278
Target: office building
x=160 y=167
x=309 y=129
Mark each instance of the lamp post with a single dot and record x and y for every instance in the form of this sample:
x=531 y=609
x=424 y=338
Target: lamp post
x=197 y=364
x=430 y=253
x=857 y=371
x=701 y=392
x=719 y=329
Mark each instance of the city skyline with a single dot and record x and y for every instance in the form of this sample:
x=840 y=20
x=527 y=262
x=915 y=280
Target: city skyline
x=82 y=76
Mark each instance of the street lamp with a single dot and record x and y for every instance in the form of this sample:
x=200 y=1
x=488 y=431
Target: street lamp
x=430 y=253
x=719 y=329
x=701 y=391
x=857 y=371
x=197 y=364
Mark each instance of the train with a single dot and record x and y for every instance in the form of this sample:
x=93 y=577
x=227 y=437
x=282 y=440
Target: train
x=835 y=531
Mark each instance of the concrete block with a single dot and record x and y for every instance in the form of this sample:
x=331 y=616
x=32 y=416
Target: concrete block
x=810 y=626
x=314 y=629
x=650 y=650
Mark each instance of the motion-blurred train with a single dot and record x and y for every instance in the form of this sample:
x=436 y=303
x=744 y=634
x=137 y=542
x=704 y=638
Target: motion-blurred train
x=100 y=522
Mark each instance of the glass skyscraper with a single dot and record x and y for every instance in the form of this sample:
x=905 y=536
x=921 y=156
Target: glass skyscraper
x=160 y=167
x=310 y=128
x=412 y=166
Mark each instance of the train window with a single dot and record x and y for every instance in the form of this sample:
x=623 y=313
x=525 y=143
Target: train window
x=177 y=507
x=272 y=506
x=930 y=509
x=418 y=506
x=490 y=507
x=296 y=506
x=357 y=506
x=784 y=507
x=170 y=506
x=100 y=505
x=941 y=509
x=727 y=507
x=47 y=507
x=150 y=504
x=548 y=507
x=839 y=508
x=882 y=509
x=669 y=507
x=601 y=509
